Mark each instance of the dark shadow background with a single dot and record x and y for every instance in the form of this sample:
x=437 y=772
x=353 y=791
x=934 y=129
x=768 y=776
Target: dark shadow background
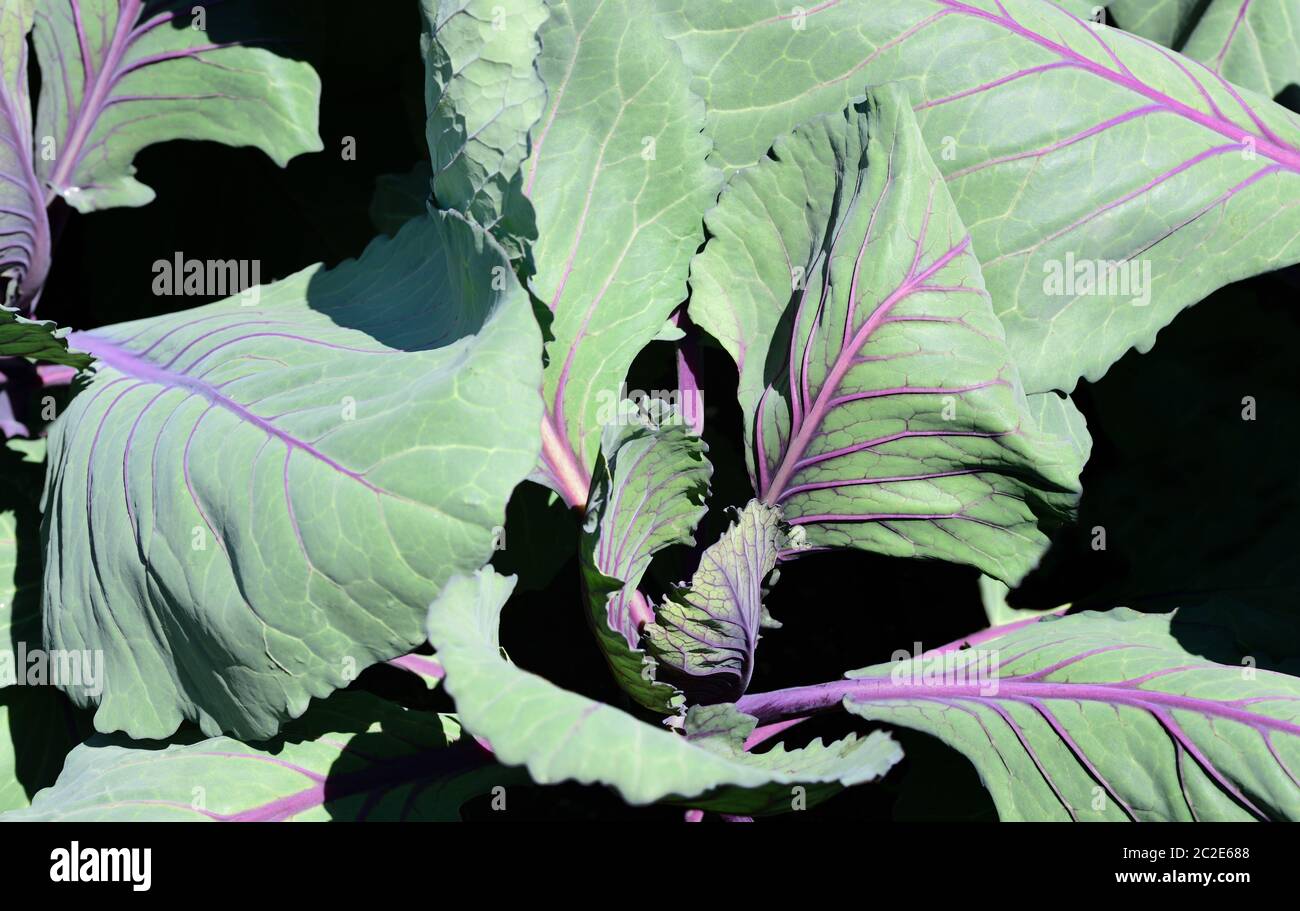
x=1201 y=508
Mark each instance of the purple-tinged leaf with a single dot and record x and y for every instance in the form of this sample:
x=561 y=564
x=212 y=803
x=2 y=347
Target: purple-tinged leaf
x=1096 y=716
x=649 y=491
x=120 y=75
x=1065 y=144
x=881 y=406
x=426 y=667
x=618 y=177
x=705 y=633
x=1251 y=43
x=353 y=757
x=690 y=365
x=256 y=499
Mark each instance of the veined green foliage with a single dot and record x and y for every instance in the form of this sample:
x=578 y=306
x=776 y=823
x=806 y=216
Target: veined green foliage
x=298 y=470
x=882 y=406
x=1065 y=145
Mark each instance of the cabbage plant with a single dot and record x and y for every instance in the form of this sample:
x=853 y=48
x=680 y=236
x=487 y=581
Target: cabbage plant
x=884 y=251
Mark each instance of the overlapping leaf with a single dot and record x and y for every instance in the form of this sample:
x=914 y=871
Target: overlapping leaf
x=1252 y=43
x=1064 y=144
x=560 y=735
x=255 y=499
x=619 y=181
x=705 y=633
x=1102 y=716
x=649 y=492
x=484 y=95
x=117 y=77
x=881 y=404
x=353 y=757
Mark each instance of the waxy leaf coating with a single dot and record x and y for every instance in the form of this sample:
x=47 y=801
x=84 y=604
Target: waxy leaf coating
x=881 y=404
x=484 y=95
x=24 y=227
x=1065 y=144
x=619 y=180
x=255 y=499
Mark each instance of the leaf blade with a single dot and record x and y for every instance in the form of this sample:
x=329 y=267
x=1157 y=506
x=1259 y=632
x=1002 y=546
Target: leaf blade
x=618 y=178
x=1077 y=699
x=484 y=96
x=1158 y=160
x=881 y=404
x=1252 y=43
x=24 y=225
x=114 y=82
x=392 y=400
x=706 y=632
x=648 y=493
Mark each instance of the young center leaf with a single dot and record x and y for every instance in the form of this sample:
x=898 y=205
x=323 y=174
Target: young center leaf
x=619 y=180
x=353 y=757
x=483 y=94
x=705 y=633
x=1097 y=716
x=882 y=408
x=120 y=75
x=648 y=493
x=1065 y=145
x=562 y=736
x=255 y=499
